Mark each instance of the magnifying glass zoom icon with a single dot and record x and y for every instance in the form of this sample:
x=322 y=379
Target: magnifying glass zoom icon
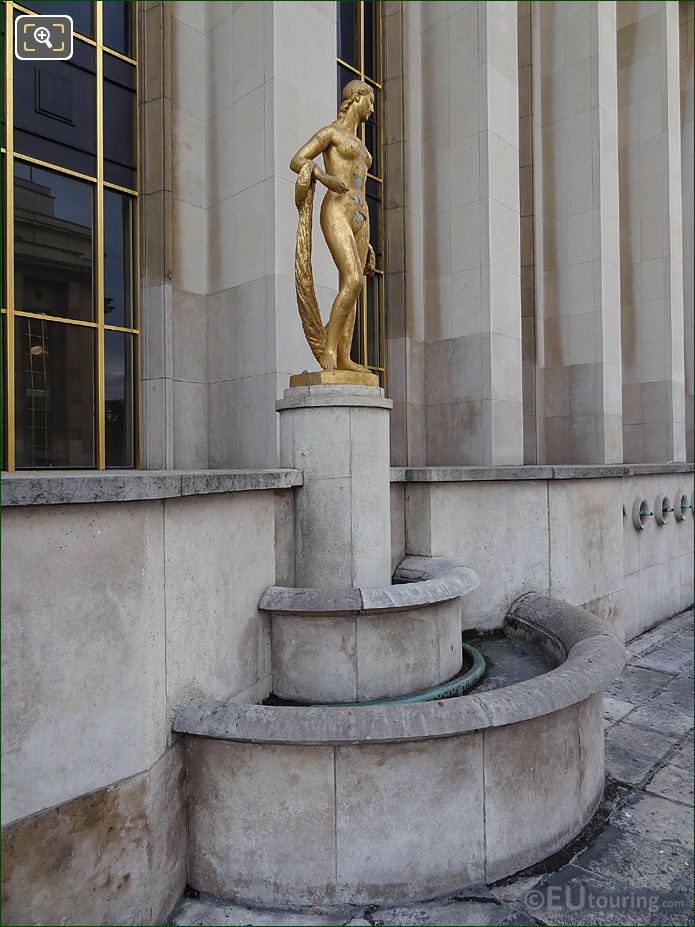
x=42 y=35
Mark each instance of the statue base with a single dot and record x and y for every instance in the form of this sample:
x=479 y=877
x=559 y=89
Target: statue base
x=334 y=377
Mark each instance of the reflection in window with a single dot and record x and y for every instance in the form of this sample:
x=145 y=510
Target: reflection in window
x=54 y=394
x=118 y=259
x=80 y=10
x=118 y=348
x=53 y=244
x=118 y=26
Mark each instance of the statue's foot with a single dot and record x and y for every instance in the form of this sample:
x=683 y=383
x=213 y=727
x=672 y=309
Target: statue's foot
x=345 y=363
x=328 y=360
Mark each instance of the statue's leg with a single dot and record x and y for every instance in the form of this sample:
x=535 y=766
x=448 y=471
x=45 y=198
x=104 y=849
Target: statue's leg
x=343 y=248
x=345 y=362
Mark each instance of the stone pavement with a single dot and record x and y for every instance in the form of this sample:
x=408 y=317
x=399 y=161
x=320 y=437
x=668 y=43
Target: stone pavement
x=634 y=862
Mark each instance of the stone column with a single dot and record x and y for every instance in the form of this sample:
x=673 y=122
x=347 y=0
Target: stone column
x=471 y=210
x=651 y=232
x=687 y=14
x=577 y=231
x=339 y=437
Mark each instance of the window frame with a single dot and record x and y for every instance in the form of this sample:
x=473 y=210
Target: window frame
x=100 y=185
x=375 y=81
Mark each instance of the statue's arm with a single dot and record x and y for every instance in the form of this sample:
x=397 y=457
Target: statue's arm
x=317 y=144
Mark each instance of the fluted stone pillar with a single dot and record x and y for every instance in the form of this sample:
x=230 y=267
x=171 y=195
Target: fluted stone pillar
x=471 y=225
x=651 y=232
x=577 y=232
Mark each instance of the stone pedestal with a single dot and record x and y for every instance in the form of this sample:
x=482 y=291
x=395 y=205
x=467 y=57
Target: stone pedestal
x=338 y=435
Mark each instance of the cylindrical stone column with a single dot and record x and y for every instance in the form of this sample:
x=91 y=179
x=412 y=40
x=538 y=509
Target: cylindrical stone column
x=338 y=435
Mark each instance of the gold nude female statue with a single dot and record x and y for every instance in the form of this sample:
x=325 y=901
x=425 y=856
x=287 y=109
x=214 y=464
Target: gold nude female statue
x=344 y=222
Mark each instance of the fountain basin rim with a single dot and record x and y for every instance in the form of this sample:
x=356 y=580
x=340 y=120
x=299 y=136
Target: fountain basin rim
x=418 y=581
x=595 y=655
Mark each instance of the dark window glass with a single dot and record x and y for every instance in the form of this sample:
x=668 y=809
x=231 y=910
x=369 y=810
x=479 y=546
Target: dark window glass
x=374 y=203
x=54 y=110
x=344 y=77
x=118 y=259
x=348 y=32
x=371 y=40
x=80 y=10
x=373 y=321
x=54 y=394
x=118 y=26
x=371 y=135
x=2 y=389
x=53 y=244
x=119 y=122
x=118 y=351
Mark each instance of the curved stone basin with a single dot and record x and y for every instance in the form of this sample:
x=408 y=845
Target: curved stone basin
x=357 y=644
x=321 y=805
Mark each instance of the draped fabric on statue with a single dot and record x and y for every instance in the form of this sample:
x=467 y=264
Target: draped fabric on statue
x=309 y=312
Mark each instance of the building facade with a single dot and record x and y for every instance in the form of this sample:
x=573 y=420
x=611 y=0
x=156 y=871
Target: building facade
x=531 y=319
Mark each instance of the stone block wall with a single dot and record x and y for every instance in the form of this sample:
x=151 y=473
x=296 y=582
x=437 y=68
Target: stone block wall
x=114 y=613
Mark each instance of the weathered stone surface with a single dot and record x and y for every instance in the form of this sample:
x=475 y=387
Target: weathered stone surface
x=656 y=819
x=615 y=710
x=632 y=859
x=518 y=777
x=377 y=792
x=61 y=488
x=632 y=751
x=531 y=472
x=635 y=682
x=115 y=856
x=445 y=915
x=315 y=659
x=673 y=783
x=261 y=822
x=210 y=910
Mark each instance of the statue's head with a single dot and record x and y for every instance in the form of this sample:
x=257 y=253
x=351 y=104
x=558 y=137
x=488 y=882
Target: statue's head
x=359 y=95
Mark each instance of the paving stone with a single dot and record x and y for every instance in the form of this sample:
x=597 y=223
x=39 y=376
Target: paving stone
x=630 y=859
x=668 y=712
x=574 y=896
x=631 y=751
x=444 y=915
x=671 y=656
x=683 y=758
x=514 y=891
x=656 y=819
x=614 y=710
x=637 y=684
x=674 y=783
x=207 y=911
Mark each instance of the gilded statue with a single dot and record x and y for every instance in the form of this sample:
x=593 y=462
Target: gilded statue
x=344 y=222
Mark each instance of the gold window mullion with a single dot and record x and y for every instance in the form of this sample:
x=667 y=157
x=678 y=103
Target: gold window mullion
x=9 y=238
x=99 y=242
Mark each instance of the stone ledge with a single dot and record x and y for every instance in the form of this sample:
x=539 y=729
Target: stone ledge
x=61 y=487
x=419 y=581
x=532 y=472
x=595 y=656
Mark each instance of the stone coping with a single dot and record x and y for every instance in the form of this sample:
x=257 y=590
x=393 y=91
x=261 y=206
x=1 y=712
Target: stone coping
x=532 y=472
x=60 y=487
x=419 y=581
x=594 y=657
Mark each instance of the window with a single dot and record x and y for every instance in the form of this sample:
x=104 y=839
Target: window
x=359 y=56
x=70 y=313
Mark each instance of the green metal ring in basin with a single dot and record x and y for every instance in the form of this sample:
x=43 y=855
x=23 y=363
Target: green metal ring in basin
x=456 y=686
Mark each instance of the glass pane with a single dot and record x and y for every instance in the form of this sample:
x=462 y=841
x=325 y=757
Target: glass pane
x=374 y=203
x=374 y=321
x=348 y=30
x=80 y=10
x=118 y=350
x=118 y=259
x=371 y=40
x=119 y=122
x=2 y=389
x=55 y=110
x=54 y=394
x=118 y=26
x=372 y=135
x=53 y=244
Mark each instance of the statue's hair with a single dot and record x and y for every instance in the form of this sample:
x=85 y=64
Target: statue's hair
x=352 y=91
